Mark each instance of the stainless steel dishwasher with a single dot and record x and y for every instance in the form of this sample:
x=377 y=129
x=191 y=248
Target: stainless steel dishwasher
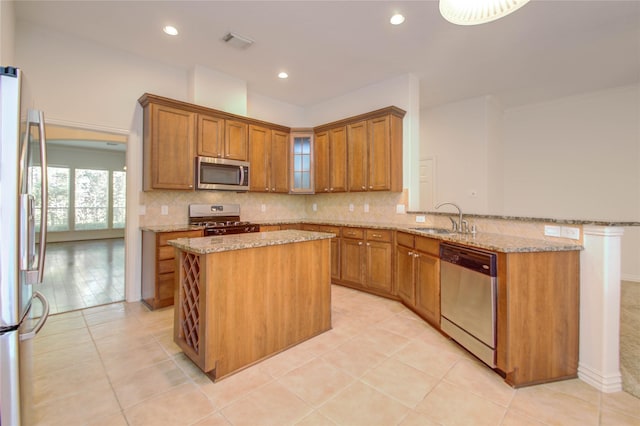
x=468 y=285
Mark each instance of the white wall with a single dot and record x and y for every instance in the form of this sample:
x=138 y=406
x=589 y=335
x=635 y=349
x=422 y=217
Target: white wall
x=83 y=82
x=7 y=30
x=403 y=92
x=268 y=109
x=573 y=158
x=578 y=158
x=456 y=135
x=217 y=90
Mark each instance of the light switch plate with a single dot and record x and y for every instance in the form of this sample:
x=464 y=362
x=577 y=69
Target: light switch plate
x=314 y=206
x=552 y=231
x=263 y=207
x=571 y=232
x=399 y=208
x=366 y=207
x=351 y=208
x=164 y=210
x=421 y=219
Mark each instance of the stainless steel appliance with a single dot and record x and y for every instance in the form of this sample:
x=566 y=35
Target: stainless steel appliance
x=468 y=284
x=220 y=219
x=22 y=155
x=222 y=174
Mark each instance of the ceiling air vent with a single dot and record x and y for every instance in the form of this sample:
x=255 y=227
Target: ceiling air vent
x=237 y=41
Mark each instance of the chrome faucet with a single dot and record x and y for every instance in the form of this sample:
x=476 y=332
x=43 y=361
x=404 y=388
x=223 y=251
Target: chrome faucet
x=457 y=226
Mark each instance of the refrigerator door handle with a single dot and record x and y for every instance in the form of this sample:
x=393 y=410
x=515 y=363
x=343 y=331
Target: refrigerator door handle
x=45 y=314
x=44 y=194
x=27 y=234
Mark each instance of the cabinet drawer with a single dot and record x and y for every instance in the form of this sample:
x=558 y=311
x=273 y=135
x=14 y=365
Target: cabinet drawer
x=166 y=266
x=329 y=229
x=428 y=245
x=165 y=286
x=166 y=252
x=163 y=237
x=405 y=239
x=379 y=235
x=353 y=233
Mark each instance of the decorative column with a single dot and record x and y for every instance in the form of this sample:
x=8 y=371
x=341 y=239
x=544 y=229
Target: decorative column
x=600 y=265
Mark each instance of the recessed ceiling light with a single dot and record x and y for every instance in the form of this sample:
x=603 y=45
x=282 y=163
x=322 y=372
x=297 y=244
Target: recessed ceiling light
x=170 y=30
x=283 y=75
x=396 y=19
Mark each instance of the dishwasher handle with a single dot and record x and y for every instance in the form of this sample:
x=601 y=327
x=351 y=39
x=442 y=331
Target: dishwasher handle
x=481 y=261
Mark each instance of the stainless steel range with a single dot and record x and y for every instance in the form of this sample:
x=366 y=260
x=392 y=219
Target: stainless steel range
x=220 y=219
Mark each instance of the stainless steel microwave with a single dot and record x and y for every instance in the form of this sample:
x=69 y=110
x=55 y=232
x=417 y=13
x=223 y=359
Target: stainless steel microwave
x=222 y=174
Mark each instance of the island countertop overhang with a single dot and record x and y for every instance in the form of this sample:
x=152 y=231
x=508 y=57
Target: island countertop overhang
x=221 y=243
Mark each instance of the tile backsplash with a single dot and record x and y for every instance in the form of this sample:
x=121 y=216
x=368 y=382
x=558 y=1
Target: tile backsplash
x=358 y=207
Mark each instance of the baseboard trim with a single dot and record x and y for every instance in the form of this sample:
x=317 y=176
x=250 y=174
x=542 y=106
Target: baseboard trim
x=604 y=383
x=630 y=277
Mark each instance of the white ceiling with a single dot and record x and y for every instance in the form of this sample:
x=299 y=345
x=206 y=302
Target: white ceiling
x=546 y=49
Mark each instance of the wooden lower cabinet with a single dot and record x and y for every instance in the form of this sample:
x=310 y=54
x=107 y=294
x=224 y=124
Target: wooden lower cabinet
x=538 y=316
x=225 y=324
x=427 y=282
x=335 y=245
x=158 y=266
x=366 y=260
x=418 y=275
x=268 y=228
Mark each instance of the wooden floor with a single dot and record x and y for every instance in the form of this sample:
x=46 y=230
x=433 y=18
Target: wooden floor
x=83 y=274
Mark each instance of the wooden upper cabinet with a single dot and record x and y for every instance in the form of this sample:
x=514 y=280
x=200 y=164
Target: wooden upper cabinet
x=269 y=158
x=357 y=156
x=379 y=165
x=222 y=138
x=280 y=148
x=168 y=152
x=338 y=156
x=235 y=140
x=259 y=152
x=210 y=136
x=322 y=160
x=365 y=153
x=331 y=160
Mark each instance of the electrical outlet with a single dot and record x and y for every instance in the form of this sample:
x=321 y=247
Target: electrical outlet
x=571 y=232
x=399 y=208
x=552 y=230
x=142 y=210
x=351 y=208
x=263 y=207
x=314 y=207
x=421 y=219
x=366 y=207
x=164 y=210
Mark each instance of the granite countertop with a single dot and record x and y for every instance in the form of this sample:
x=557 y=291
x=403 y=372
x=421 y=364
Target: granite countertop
x=215 y=244
x=501 y=243
x=594 y=222
x=495 y=242
x=171 y=228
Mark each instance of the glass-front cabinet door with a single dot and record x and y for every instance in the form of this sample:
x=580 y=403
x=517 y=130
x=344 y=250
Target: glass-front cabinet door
x=302 y=162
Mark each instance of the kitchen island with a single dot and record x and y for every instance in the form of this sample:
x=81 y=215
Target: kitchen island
x=243 y=298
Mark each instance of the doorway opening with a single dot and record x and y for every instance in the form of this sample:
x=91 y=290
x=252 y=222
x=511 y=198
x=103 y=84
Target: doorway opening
x=86 y=173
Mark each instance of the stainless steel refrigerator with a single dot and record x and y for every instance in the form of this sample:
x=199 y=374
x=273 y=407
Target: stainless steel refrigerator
x=22 y=157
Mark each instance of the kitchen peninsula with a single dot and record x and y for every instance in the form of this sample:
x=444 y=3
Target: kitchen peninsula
x=243 y=298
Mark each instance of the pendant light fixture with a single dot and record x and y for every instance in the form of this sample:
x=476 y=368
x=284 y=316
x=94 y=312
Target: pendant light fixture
x=474 y=12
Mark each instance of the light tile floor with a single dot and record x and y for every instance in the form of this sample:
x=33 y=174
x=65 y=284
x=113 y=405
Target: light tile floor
x=82 y=274
x=379 y=365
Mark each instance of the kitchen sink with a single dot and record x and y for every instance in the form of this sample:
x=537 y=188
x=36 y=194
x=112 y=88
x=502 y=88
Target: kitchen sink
x=438 y=231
